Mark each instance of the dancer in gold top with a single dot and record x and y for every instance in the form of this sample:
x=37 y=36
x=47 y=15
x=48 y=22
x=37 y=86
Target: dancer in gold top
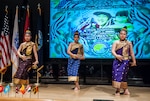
x=122 y=50
x=26 y=52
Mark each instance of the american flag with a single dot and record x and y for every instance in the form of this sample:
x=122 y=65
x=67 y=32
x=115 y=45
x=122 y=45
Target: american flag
x=5 y=48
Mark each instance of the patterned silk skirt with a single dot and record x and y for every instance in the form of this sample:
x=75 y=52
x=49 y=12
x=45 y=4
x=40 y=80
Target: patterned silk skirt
x=22 y=75
x=119 y=73
x=73 y=67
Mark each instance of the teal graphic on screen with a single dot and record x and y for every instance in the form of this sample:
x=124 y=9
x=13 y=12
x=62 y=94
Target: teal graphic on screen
x=99 y=22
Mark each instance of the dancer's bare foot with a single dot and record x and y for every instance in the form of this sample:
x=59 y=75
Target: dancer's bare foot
x=117 y=93
x=76 y=89
x=126 y=92
x=77 y=86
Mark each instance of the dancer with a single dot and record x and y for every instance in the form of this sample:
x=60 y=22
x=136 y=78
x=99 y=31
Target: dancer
x=75 y=50
x=123 y=52
x=25 y=52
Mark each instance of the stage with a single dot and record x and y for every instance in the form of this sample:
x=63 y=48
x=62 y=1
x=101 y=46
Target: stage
x=63 y=92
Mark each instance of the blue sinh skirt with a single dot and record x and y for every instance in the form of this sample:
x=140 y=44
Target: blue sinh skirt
x=73 y=67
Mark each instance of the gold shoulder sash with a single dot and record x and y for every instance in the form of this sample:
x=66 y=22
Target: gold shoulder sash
x=28 y=46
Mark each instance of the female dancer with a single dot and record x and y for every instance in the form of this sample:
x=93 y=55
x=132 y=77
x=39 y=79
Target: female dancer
x=25 y=52
x=122 y=51
x=75 y=50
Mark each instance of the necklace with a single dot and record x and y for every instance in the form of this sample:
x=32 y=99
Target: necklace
x=123 y=42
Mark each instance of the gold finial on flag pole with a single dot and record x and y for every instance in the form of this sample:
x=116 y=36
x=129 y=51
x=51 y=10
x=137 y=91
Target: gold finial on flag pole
x=39 y=5
x=39 y=8
x=17 y=7
x=6 y=9
x=28 y=9
x=27 y=6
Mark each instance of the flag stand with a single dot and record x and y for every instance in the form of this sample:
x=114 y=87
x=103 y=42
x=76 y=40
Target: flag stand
x=12 y=84
x=38 y=75
x=1 y=79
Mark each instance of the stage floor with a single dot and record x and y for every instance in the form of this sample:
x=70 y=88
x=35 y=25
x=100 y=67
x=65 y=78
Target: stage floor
x=63 y=92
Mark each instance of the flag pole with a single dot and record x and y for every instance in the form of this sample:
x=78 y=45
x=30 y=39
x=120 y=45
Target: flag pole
x=37 y=78
x=30 y=94
x=8 y=94
x=12 y=83
x=36 y=41
x=15 y=92
x=38 y=92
